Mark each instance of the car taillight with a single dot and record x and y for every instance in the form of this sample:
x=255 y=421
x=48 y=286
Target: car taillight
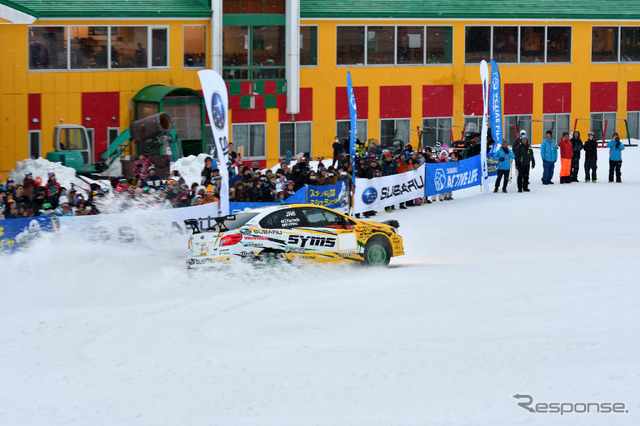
x=230 y=240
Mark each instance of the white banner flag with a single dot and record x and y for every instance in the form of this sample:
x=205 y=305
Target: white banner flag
x=377 y=193
x=216 y=100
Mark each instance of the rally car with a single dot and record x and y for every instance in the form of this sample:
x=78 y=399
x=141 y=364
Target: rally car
x=301 y=232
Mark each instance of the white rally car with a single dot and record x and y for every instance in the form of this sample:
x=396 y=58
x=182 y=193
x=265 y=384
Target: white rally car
x=301 y=232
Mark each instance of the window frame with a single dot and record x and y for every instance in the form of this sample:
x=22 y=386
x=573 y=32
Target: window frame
x=38 y=135
x=632 y=134
x=247 y=148
x=67 y=43
x=520 y=118
x=316 y=47
x=519 y=44
x=557 y=130
x=619 y=45
x=395 y=61
x=362 y=127
x=438 y=128
x=184 y=39
x=597 y=131
x=395 y=132
x=295 y=137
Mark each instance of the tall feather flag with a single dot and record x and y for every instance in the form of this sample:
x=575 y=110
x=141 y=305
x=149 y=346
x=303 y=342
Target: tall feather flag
x=495 y=106
x=484 y=77
x=353 y=116
x=216 y=99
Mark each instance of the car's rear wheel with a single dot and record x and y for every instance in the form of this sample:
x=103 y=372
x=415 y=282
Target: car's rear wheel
x=269 y=257
x=377 y=252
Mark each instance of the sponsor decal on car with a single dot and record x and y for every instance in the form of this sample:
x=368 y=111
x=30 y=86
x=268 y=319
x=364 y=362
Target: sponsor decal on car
x=303 y=240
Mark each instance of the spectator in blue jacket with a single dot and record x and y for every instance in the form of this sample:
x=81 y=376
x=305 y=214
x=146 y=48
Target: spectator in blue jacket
x=549 y=154
x=615 y=157
x=503 y=154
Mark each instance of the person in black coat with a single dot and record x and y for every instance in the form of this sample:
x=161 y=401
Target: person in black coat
x=577 y=145
x=590 y=159
x=337 y=151
x=525 y=160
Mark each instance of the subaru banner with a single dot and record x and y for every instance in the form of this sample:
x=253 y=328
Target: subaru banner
x=377 y=193
x=17 y=233
x=445 y=177
x=335 y=197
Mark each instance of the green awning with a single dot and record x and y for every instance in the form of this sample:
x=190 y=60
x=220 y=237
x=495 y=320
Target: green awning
x=157 y=92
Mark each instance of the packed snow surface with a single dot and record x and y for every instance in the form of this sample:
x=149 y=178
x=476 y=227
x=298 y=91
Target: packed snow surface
x=498 y=294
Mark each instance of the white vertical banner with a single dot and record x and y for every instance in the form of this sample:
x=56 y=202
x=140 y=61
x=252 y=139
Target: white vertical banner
x=484 y=77
x=216 y=99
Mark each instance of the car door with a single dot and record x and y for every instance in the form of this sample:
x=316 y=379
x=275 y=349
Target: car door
x=333 y=233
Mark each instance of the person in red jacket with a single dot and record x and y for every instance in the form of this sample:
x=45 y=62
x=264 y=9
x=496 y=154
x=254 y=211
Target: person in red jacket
x=566 y=154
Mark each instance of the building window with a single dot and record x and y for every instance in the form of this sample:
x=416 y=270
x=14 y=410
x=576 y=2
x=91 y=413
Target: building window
x=159 y=52
x=89 y=47
x=439 y=45
x=47 y=48
x=505 y=44
x=252 y=137
x=343 y=130
x=472 y=124
x=394 y=129
x=557 y=123
x=254 y=6
x=295 y=138
x=633 y=124
x=253 y=52
x=389 y=45
x=410 y=45
x=477 y=44
x=112 y=133
x=558 y=44
x=604 y=44
x=97 y=47
x=309 y=45
x=35 y=144
x=615 y=44
x=350 y=45
x=532 y=43
x=513 y=124
x=195 y=46
x=436 y=131
x=598 y=122
x=380 y=45
x=630 y=44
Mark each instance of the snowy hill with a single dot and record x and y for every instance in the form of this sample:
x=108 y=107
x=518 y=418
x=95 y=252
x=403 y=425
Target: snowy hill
x=499 y=294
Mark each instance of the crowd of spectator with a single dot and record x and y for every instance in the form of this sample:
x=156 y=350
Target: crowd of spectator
x=247 y=183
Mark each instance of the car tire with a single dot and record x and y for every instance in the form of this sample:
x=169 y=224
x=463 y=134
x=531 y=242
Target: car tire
x=270 y=257
x=377 y=252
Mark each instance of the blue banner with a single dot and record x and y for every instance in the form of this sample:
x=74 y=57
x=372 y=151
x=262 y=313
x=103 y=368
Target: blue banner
x=353 y=116
x=495 y=107
x=17 y=233
x=335 y=197
x=445 y=177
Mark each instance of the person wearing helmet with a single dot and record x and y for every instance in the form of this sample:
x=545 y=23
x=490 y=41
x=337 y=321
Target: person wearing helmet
x=590 y=159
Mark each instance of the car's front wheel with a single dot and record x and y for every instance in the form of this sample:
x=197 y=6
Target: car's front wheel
x=377 y=252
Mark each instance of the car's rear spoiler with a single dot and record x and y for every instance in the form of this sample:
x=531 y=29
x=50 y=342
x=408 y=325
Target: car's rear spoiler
x=196 y=227
x=392 y=222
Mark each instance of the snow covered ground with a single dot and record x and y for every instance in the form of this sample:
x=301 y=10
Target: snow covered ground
x=499 y=294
